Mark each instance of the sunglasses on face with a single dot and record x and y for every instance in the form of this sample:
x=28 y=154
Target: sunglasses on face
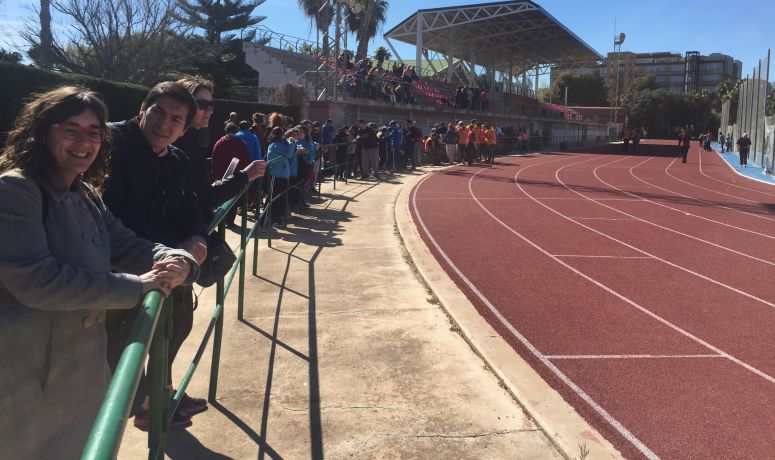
x=205 y=105
x=74 y=132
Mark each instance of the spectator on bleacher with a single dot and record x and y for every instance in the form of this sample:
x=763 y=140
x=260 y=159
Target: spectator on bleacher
x=395 y=147
x=484 y=100
x=475 y=99
x=250 y=139
x=451 y=139
x=65 y=260
x=151 y=188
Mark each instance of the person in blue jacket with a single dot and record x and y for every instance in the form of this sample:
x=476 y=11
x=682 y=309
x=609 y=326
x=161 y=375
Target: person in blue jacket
x=250 y=139
x=278 y=156
x=397 y=134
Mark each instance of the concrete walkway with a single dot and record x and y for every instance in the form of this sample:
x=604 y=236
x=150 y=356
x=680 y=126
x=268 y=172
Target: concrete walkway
x=343 y=353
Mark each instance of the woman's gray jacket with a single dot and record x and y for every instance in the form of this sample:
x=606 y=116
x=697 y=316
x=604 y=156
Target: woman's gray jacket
x=55 y=285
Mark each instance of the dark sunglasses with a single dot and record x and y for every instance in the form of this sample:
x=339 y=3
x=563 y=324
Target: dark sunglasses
x=204 y=105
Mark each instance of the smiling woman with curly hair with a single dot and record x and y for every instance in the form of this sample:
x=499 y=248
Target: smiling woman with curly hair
x=64 y=260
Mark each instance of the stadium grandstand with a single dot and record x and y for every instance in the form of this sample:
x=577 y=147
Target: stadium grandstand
x=503 y=47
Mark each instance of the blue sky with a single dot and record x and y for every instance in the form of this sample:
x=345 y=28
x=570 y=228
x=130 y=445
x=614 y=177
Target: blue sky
x=744 y=31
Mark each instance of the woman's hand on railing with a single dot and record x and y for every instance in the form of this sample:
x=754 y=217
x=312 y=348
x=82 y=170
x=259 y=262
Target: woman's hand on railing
x=255 y=170
x=156 y=280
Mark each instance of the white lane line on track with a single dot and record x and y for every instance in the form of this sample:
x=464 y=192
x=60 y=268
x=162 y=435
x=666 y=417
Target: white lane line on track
x=648 y=312
x=594 y=200
x=687 y=270
x=706 y=188
x=681 y=211
x=600 y=218
x=723 y=161
x=721 y=193
x=602 y=257
x=521 y=338
x=631 y=356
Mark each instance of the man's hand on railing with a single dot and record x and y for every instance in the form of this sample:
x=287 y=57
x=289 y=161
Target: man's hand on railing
x=255 y=170
x=197 y=247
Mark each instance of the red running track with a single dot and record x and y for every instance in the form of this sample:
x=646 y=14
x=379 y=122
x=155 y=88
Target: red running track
x=639 y=287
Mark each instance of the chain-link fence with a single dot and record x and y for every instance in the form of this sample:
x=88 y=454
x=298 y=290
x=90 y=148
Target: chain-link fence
x=751 y=118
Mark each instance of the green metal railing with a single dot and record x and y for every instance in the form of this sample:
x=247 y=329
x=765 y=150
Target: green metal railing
x=150 y=337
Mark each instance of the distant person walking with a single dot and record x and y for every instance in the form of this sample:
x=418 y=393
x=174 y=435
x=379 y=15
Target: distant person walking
x=722 y=141
x=626 y=136
x=743 y=147
x=684 y=140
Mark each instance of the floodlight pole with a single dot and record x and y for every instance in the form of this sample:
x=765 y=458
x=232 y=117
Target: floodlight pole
x=618 y=40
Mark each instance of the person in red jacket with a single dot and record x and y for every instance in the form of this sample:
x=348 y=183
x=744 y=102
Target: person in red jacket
x=229 y=146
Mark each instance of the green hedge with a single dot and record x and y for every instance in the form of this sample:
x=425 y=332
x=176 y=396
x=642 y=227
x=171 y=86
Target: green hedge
x=20 y=82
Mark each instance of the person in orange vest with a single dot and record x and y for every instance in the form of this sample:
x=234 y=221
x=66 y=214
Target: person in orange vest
x=462 y=132
x=479 y=140
x=489 y=142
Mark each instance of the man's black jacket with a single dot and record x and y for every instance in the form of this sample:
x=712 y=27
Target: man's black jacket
x=152 y=194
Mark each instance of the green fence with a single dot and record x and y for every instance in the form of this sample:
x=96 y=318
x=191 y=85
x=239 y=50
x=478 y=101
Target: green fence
x=150 y=338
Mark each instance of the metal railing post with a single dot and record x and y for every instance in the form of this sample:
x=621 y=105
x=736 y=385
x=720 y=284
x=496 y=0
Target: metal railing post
x=269 y=213
x=219 y=296
x=157 y=383
x=243 y=247
x=257 y=214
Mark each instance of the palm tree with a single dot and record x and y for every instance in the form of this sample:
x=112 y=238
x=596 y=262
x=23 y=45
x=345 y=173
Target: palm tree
x=365 y=25
x=381 y=54
x=46 y=39
x=320 y=13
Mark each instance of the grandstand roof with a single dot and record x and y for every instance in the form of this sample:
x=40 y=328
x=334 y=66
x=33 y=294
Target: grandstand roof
x=500 y=34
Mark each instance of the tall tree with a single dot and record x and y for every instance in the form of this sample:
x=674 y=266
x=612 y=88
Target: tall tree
x=320 y=14
x=216 y=17
x=123 y=40
x=583 y=90
x=366 y=24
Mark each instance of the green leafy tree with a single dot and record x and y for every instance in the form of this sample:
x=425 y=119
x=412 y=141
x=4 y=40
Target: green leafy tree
x=217 y=17
x=729 y=90
x=583 y=90
x=320 y=14
x=10 y=56
x=642 y=83
x=366 y=24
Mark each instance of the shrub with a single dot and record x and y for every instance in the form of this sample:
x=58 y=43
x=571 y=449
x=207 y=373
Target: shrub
x=21 y=82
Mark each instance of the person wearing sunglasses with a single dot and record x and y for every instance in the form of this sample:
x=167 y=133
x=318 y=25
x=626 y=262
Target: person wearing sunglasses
x=65 y=260
x=151 y=189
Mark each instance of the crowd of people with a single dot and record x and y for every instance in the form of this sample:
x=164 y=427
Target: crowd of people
x=364 y=79
x=98 y=214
